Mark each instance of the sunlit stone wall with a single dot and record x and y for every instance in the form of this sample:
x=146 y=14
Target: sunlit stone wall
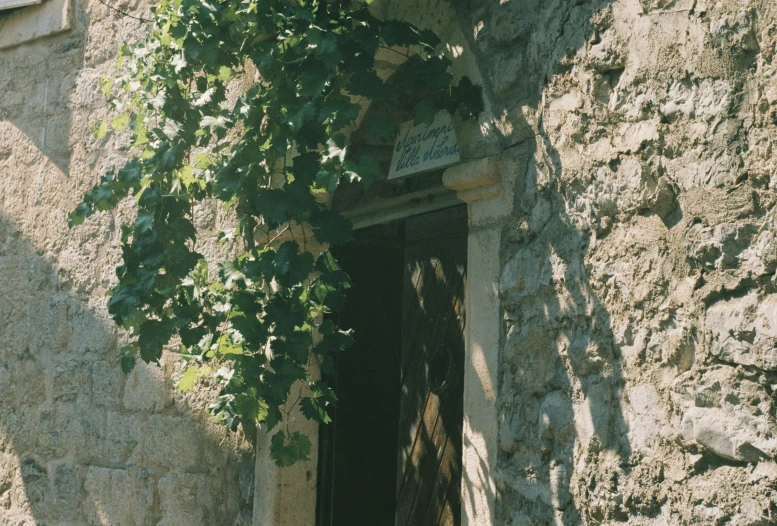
x=80 y=442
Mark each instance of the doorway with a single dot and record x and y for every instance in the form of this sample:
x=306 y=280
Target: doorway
x=392 y=455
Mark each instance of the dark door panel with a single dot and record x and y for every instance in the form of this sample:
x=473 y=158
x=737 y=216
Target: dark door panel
x=392 y=455
x=430 y=415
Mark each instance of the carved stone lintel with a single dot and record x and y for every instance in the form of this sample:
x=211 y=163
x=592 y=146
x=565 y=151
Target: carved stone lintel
x=475 y=180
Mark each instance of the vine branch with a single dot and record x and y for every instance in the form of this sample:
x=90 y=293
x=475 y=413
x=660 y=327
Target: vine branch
x=124 y=13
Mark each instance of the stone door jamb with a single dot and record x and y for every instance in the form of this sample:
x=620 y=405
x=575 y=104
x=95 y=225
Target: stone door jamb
x=479 y=184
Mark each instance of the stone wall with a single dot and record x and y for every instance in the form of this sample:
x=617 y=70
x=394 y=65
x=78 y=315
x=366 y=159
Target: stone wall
x=80 y=443
x=639 y=368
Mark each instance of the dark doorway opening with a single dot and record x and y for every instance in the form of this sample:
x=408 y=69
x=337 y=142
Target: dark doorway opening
x=392 y=455
x=358 y=466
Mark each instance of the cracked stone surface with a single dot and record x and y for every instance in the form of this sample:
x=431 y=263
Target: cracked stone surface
x=637 y=374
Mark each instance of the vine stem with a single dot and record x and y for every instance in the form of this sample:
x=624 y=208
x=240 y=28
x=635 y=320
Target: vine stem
x=279 y=234
x=299 y=393
x=304 y=238
x=406 y=55
x=124 y=13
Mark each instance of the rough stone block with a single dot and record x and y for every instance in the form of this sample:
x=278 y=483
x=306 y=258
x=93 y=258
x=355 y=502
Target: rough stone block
x=66 y=492
x=36 y=487
x=184 y=498
x=18 y=427
x=8 y=468
x=70 y=380
x=730 y=436
x=146 y=388
x=528 y=346
x=525 y=273
x=107 y=380
x=555 y=429
x=124 y=438
x=89 y=434
x=715 y=414
x=172 y=441
x=608 y=53
x=744 y=331
x=7 y=386
x=106 y=496
x=89 y=333
x=593 y=415
x=646 y=418
x=722 y=246
x=663 y=202
x=31 y=391
x=52 y=332
x=507 y=26
x=55 y=430
x=145 y=491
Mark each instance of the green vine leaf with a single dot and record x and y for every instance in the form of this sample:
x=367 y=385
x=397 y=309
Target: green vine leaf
x=100 y=130
x=306 y=71
x=186 y=383
x=288 y=449
x=120 y=122
x=153 y=336
x=315 y=406
x=330 y=227
x=425 y=112
x=380 y=129
x=365 y=170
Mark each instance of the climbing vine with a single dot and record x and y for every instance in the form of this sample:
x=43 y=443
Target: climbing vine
x=269 y=155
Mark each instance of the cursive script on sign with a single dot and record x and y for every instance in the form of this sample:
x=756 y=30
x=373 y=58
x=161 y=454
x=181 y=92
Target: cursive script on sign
x=423 y=147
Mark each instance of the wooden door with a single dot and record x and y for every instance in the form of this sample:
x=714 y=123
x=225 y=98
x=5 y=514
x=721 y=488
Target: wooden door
x=357 y=451
x=432 y=363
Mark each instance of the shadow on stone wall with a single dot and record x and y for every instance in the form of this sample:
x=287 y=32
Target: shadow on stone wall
x=38 y=80
x=560 y=372
x=82 y=443
x=52 y=92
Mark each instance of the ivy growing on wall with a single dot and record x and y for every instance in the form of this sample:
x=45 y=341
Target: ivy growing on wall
x=271 y=156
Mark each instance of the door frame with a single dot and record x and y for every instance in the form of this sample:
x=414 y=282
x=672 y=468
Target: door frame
x=480 y=184
x=287 y=497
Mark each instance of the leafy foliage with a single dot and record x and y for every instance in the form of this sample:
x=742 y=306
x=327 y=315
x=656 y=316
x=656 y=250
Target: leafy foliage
x=267 y=154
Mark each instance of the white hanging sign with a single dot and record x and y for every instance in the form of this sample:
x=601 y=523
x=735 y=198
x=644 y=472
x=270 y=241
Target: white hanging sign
x=424 y=147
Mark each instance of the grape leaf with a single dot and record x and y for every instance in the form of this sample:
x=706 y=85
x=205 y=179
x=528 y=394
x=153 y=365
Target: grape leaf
x=331 y=227
x=265 y=155
x=287 y=450
x=186 y=383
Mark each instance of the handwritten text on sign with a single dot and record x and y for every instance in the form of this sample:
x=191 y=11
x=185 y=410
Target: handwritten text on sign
x=424 y=147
